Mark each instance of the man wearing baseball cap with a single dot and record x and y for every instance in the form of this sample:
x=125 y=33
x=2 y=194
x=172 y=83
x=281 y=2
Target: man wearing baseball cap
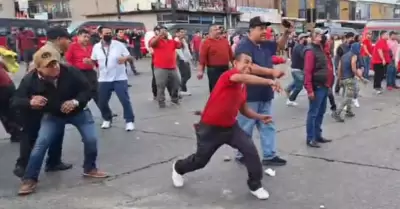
x=47 y=90
x=318 y=78
x=259 y=98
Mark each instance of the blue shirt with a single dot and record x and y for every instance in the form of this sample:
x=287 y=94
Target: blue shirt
x=262 y=56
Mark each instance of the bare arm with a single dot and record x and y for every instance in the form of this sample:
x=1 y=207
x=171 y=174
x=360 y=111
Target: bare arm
x=258 y=70
x=154 y=41
x=283 y=40
x=339 y=70
x=354 y=67
x=251 y=79
x=380 y=52
x=248 y=112
x=366 y=50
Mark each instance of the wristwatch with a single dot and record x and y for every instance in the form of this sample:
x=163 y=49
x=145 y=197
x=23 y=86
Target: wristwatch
x=76 y=102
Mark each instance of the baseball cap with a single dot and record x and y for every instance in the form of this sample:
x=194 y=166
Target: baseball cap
x=44 y=56
x=304 y=35
x=159 y=27
x=57 y=32
x=258 y=21
x=317 y=31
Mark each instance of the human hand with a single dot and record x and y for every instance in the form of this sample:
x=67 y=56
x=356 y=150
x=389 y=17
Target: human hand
x=68 y=106
x=200 y=74
x=311 y=96
x=278 y=74
x=265 y=118
x=122 y=60
x=38 y=102
x=87 y=61
x=277 y=87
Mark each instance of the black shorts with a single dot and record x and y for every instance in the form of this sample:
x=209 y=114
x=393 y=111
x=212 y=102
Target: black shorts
x=28 y=55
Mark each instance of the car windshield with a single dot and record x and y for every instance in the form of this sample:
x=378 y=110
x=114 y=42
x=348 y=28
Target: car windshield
x=73 y=26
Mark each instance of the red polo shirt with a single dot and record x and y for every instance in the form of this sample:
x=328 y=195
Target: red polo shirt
x=225 y=101
x=164 y=54
x=215 y=52
x=366 y=43
x=76 y=53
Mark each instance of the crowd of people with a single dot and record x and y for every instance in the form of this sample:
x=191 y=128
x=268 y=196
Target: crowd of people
x=240 y=98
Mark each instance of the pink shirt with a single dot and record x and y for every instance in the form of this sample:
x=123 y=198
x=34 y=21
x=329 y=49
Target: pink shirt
x=393 y=45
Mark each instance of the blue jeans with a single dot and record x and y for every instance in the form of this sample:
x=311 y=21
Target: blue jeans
x=51 y=127
x=121 y=89
x=367 y=65
x=391 y=75
x=267 y=131
x=315 y=115
x=297 y=84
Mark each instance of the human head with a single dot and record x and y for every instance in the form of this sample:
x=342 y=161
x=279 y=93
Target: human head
x=197 y=33
x=368 y=35
x=243 y=63
x=317 y=35
x=384 y=35
x=160 y=29
x=357 y=38
x=393 y=35
x=356 y=48
x=106 y=34
x=214 y=31
x=303 y=38
x=60 y=37
x=349 y=37
x=180 y=32
x=258 y=29
x=120 y=33
x=83 y=36
x=47 y=63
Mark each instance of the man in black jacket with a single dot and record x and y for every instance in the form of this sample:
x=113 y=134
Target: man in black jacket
x=48 y=88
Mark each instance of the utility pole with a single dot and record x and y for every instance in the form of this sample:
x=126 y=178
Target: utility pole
x=119 y=9
x=173 y=10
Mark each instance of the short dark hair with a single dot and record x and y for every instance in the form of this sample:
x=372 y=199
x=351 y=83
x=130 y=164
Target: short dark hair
x=383 y=32
x=349 y=35
x=179 y=30
x=238 y=56
x=57 y=32
x=102 y=28
x=392 y=33
x=197 y=31
x=82 y=31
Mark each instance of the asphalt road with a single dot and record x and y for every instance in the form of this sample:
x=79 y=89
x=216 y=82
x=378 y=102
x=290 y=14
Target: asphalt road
x=359 y=170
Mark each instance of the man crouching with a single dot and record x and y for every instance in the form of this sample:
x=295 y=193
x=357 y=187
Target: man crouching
x=49 y=88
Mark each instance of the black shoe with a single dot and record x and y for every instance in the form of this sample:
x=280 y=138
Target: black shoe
x=337 y=117
x=129 y=85
x=60 y=167
x=14 y=139
x=313 y=144
x=19 y=171
x=175 y=101
x=136 y=73
x=350 y=114
x=323 y=140
x=276 y=161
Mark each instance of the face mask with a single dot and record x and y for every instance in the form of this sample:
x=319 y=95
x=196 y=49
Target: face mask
x=107 y=38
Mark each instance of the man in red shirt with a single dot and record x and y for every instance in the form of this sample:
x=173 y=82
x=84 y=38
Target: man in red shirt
x=218 y=125
x=195 y=46
x=27 y=44
x=380 y=60
x=215 y=54
x=78 y=56
x=366 y=53
x=164 y=60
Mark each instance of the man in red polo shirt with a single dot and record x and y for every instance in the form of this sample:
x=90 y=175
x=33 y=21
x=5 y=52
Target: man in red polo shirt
x=366 y=53
x=218 y=125
x=164 y=60
x=78 y=55
x=380 y=60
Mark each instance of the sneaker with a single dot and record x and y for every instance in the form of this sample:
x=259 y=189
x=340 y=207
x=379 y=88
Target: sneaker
x=94 y=173
x=337 y=117
x=291 y=103
x=276 y=161
x=177 y=179
x=377 y=91
x=106 y=125
x=389 y=88
x=27 y=187
x=59 y=167
x=130 y=126
x=19 y=171
x=175 y=101
x=260 y=193
x=185 y=93
x=350 y=114
x=356 y=103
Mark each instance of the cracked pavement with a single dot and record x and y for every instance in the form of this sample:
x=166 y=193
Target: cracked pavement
x=359 y=170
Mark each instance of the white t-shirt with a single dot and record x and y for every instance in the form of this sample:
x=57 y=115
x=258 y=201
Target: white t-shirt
x=112 y=71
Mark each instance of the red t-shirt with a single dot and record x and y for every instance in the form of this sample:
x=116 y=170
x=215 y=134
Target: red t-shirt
x=225 y=101
x=26 y=40
x=381 y=44
x=366 y=42
x=196 y=42
x=76 y=53
x=164 y=55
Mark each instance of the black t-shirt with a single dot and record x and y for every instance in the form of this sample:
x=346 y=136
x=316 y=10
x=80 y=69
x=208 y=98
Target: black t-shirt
x=136 y=37
x=95 y=38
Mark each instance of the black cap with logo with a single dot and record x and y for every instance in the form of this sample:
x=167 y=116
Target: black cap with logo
x=258 y=21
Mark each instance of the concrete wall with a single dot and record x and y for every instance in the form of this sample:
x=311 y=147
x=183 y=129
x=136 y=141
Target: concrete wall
x=149 y=20
x=7 y=9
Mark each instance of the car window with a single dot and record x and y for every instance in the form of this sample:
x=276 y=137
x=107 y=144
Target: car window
x=376 y=33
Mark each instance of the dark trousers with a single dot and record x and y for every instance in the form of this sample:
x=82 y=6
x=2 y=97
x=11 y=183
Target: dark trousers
x=332 y=102
x=138 y=52
x=211 y=138
x=154 y=84
x=9 y=117
x=186 y=73
x=28 y=139
x=213 y=74
x=379 y=75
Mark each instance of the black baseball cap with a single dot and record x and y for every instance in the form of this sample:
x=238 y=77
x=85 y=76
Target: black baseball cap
x=349 y=35
x=258 y=21
x=57 y=32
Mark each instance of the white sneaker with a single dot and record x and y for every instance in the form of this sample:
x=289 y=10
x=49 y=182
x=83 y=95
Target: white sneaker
x=356 y=103
x=291 y=103
x=185 y=93
x=177 y=179
x=378 y=92
x=260 y=193
x=106 y=124
x=130 y=126
x=345 y=108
